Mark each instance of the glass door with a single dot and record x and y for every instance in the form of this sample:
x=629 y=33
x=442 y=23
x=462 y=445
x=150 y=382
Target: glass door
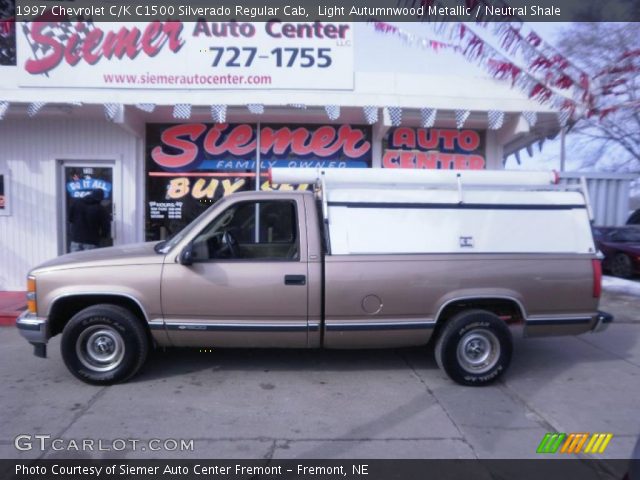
x=88 y=205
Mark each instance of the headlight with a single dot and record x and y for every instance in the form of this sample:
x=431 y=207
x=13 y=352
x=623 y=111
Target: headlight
x=32 y=306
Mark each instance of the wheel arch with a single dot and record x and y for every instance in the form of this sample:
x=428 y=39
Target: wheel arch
x=64 y=307
x=506 y=307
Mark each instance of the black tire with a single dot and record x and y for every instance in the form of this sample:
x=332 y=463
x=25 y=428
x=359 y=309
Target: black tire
x=104 y=344
x=465 y=339
x=621 y=266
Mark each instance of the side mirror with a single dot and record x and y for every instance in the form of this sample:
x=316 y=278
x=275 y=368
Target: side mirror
x=186 y=255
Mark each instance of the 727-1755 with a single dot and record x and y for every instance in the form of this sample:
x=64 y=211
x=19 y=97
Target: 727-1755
x=285 y=57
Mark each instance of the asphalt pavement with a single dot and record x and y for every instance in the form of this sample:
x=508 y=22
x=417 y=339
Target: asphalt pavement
x=293 y=404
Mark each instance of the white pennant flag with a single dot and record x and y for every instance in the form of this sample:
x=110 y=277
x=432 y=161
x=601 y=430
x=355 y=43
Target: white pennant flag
x=112 y=110
x=4 y=106
x=182 y=111
x=563 y=117
x=428 y=117
x=370 y=114
x=495 y=119
x=395 y=115
x=531 y=118
x=34 y=108
x=146 y=107
x=333 y=111
x=256 y=108
x=219 y=113
x=461 y=117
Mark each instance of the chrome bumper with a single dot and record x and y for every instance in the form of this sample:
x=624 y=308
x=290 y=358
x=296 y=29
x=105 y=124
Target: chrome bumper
x=603 y=320
x=36 y=330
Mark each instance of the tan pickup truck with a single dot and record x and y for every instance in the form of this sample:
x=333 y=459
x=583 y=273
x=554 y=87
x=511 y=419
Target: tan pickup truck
x=353 y=265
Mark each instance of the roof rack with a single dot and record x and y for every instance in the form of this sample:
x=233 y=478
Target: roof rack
x=414 y=178
x=362 y=178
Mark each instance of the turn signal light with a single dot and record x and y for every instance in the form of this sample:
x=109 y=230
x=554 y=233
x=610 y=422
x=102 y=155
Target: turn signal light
x=32 y=307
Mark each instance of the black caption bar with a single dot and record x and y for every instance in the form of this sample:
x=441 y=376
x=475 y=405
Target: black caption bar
x=554 y=469
x=334 y=11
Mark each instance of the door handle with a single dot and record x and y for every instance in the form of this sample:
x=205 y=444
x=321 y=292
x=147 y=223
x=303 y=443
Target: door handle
x=295 y=280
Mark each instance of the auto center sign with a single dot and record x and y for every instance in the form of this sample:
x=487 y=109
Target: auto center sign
x=433 y=148
x=187 y=55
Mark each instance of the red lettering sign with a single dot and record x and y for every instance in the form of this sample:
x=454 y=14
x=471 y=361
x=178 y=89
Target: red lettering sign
x=433 y=138
x=434 y=148
x=181 y=142
x=97 y=45
x=173 y=137
x=431 y=160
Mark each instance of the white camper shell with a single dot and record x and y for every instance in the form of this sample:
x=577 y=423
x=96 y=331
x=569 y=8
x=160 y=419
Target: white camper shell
x=435 y=211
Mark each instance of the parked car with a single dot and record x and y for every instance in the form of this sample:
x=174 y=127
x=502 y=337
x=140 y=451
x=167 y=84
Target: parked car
x=634 y=218
x=370 y=265
x=621 y=249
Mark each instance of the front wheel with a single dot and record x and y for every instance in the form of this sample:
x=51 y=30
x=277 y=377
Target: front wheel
x=474 y=348
x=104 y=344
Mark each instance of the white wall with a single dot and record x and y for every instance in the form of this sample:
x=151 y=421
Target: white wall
x=30 y=149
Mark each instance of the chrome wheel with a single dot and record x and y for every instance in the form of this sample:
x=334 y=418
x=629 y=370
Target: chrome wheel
x=478 y=351
x=100 y=348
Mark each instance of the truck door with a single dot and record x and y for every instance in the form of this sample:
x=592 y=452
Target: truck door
x=247 y=285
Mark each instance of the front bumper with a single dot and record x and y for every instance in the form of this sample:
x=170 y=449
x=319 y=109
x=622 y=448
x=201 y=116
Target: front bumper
x=36 y=330
x=603 y=320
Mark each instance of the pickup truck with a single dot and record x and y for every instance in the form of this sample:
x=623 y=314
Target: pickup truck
x=351 y=265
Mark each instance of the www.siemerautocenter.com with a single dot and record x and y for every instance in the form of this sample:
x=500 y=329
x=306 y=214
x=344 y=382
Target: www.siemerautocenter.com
x=44 y=442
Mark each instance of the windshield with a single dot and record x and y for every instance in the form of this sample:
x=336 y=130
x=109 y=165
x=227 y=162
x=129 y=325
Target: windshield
x=165 y=246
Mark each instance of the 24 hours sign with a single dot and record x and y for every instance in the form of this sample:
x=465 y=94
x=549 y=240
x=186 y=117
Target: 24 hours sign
x=187 y=55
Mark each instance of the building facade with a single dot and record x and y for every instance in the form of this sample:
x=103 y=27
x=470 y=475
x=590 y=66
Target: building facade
x=139 y=119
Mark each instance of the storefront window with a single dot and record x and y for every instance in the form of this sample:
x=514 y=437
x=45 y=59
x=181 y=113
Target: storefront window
x=190 y=166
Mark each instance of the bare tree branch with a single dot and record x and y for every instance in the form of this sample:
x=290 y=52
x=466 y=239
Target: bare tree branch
x=602 y=49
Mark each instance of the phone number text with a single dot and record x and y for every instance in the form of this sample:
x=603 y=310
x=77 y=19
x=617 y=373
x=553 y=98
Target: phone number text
x=283 y=57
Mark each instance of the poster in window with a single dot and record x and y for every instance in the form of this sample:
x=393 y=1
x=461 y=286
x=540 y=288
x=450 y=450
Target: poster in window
x=190 y=166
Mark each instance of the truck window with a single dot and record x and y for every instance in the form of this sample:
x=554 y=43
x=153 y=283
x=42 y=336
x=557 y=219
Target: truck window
x=235 y=233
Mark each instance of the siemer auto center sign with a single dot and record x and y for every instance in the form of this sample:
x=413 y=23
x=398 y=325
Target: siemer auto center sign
x=187 y=55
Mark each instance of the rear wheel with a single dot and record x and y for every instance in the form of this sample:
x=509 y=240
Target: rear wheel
x=104 y=344
x=474 y=348
x=621 y=266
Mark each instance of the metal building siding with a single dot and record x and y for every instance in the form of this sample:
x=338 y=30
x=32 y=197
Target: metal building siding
x=608 y=194
x=30 y=149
